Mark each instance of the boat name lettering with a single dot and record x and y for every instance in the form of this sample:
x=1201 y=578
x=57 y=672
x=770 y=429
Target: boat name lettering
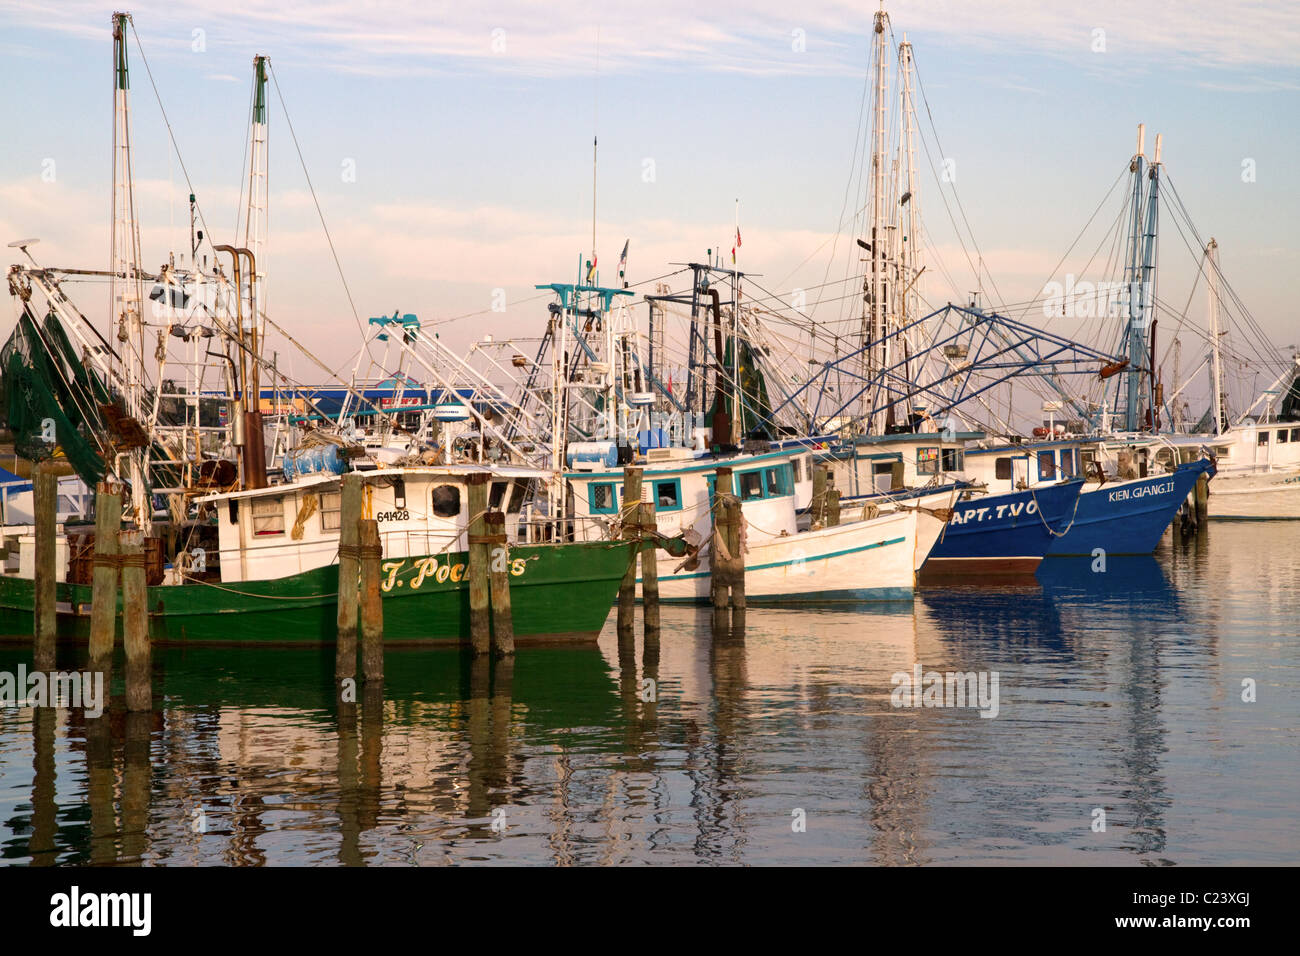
x=400 y=515
x=1141 y=491
x=967 y=515
x=429 y=568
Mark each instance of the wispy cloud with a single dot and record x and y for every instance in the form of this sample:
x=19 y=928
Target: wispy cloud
x=417 y=37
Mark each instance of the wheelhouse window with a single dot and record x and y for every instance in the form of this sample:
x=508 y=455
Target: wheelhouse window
x=446 y=501
x=497 y=494
x=953 y=459
x=603 y=498
x=1067 y=463
x=1046 y=465
x=927 y=461
x=751 y=485
x=1295 y=434
x=268 y=516
x=796 y=469
x=331 y=510
x=668 y=495
x=1263 y=438
x=517 y=493
x=1002 y=469
x=1281 y=436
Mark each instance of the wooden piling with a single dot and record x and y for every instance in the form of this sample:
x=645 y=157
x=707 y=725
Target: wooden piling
x=503 y=626
x=630 y=513
x=351 y=488
x=818 y=507
x=45 y=491
x=372 y=600
x=736 y=575
x=480 y=624
x=649 y=573
x=103 y=601
x=832 y=501
x=135 y=621
x=1202 y=498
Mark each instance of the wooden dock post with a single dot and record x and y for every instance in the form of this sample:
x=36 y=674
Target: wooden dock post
x=351 y=489
x=503 y=625
x=103 y=601
x=832 y=501
x=135 y=621
x=1202 y=499
x=818 y=506
x=735 y=544
x=372 y=600
x=45 y=491
x=480 y=624
x=630 y=513
x=649 y=573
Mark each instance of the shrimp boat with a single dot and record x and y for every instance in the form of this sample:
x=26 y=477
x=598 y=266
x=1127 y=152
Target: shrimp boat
x=236 y=553
x=272 y=577
x=862 y=560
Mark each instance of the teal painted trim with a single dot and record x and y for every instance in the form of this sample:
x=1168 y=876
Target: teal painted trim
x=677 y=493
x=849 y=596
x=783 y=564
x=615 y=495
x=713 y=465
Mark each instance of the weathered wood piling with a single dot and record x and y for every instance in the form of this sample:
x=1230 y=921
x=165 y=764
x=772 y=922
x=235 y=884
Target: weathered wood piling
x=135 y=621
x=817 y=508
x=480 y=624
x=503 y=626
x=351 y=489
x=103 y=600
x=372 y=600
x=45 y=491
x=832 y=501
x=726 y=560
x=630 y=513
x=1202 y=499
x=649 y=572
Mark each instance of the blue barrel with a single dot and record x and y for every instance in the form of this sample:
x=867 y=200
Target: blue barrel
x=316 y=460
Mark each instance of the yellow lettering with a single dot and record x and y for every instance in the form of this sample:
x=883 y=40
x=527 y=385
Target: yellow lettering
x=427 y=567
x=391 y=567
x=457 y=572
x=517 y=567
x=442 y=572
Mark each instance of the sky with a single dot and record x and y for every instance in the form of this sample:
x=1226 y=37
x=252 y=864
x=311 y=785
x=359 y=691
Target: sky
x=450 y=148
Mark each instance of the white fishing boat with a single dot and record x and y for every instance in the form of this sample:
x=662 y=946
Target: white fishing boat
x=860 y=559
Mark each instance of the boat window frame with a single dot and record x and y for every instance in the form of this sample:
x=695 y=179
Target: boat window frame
x=272 y=507
x=677 y=493
x=927 y=460
x=335 y=523
x=616 y=495
x=1048 y=455
x=1004 y=463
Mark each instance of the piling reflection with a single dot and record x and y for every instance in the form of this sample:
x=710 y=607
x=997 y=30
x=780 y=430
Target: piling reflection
x=690 y=744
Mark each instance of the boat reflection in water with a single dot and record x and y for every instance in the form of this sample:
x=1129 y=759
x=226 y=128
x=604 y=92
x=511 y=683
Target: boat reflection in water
x=778 y=742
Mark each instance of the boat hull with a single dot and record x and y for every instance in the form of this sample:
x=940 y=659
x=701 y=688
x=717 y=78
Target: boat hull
x=861 y=561
x=558 y=593
x=1000 y=537
x=1128 y=517
x=1274 y=496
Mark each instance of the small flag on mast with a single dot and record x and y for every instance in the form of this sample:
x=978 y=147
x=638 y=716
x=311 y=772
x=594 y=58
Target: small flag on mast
x=622 y=260
x=591 y=267
x=735 y=247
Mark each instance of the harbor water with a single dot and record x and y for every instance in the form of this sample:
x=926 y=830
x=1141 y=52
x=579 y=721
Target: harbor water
x=1144 y=713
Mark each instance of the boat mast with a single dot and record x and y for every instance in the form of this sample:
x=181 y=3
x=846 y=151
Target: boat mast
x=1135 y=339
x=874 y=331
x=909 y=252
x=256 y=221
x=125 y=291
x=1218 y=407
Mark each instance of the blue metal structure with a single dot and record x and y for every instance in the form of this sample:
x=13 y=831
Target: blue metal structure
x=995 y=347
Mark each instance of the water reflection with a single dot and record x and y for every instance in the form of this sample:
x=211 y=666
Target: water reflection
x=766 y=739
